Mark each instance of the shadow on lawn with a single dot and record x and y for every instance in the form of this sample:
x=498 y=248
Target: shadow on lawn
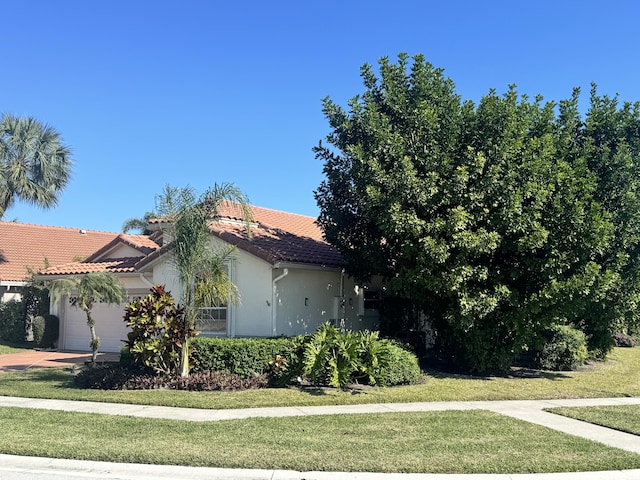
x=514 y=372
x=53 y=377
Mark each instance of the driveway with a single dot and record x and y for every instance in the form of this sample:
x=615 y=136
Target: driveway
x=41 y=358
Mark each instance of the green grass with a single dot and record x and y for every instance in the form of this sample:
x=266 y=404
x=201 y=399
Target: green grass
x=618 y=377
x=7 y=347
x=443 y=442
x=437 y=442
x=625 y=418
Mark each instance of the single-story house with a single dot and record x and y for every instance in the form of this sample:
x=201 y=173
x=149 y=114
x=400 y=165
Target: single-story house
x=290 y=281
x=24 y=247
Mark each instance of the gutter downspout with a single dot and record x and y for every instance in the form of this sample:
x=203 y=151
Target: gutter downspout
x=343 y=307
x=274 y=305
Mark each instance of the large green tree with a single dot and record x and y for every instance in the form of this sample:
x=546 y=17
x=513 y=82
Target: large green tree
x=484 y=217
x=34 y=163
x=201 y=268
x=611 y=139
x=84 y=291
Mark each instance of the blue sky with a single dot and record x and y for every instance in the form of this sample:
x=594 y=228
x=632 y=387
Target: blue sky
x=149 y=93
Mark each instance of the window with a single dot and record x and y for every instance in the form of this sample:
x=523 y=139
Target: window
x=212 y=320
x=216 y=319
x=371 y=300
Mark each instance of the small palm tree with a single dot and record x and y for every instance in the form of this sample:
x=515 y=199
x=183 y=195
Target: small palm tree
x=201 y=269
x=34 y=165
x=86 y=290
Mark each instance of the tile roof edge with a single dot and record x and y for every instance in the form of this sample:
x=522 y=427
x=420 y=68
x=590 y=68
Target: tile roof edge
x=112 y=244
x=57 y=227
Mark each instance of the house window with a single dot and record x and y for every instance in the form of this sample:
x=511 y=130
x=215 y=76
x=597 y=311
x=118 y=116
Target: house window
x=212 y=320
x=371 y=300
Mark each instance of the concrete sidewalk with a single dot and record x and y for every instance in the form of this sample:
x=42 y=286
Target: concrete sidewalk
x=526 y=410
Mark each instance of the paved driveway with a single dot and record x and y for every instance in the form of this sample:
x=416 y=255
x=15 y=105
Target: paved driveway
x=38 y=358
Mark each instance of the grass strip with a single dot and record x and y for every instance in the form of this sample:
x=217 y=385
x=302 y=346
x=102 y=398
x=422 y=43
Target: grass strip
x=625 y=418
x=7 y=348
x=442 y=442
x=617 y=377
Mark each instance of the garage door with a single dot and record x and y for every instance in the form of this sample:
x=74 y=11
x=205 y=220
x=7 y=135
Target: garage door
x=110 y=327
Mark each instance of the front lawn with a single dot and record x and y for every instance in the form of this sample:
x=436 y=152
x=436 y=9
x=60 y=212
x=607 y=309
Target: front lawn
x=618 y=377
x=625 y=418
x=442 y=442
x=7 y=348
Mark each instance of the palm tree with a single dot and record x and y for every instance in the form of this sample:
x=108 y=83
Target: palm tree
x=201 y=269
x=139 y=224
x=34 y=165
x=86 y=290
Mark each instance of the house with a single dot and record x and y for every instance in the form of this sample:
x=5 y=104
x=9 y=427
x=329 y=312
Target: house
x=290 y=281
x=24 y=247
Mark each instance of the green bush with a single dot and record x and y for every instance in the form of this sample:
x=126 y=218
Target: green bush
x=37 y=327
x=245 y=357
x=564 y=348
x=45 y=330
x=401 y=368
x=126 y=357
x=51 y=331
x=12 y=321
x=336 y=358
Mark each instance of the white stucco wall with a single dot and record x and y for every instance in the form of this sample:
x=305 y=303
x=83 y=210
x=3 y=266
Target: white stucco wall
x=306 y=298
x=122 y=251
x=252 y=317
x=302 y=300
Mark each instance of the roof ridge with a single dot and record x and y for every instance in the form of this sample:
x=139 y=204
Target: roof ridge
x=283 y=212
x=55 y=227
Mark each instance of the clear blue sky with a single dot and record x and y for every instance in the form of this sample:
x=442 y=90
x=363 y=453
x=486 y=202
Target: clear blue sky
x=148 y=93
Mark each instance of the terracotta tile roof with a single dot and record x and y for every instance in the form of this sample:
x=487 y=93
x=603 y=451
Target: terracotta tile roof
x=113 y=265
x=144 y=244
x=99 y=261
x=25 y=245
x=299 y=225
x=277 y=236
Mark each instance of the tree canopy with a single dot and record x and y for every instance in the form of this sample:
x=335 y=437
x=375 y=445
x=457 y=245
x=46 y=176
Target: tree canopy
x=494 y=220
x=34 y=163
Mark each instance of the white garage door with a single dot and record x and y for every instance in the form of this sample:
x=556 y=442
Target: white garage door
x=110 y=327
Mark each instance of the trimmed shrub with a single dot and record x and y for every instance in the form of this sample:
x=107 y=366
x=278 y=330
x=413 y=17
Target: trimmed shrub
x=126 y=357
x=565 y=348
x=45 y=330
x=401 y=368
x=245 y=357
x=12 y=321
x=37 y=327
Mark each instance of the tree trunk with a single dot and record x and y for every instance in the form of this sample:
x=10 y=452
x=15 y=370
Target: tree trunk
x=95 y=341
x=184 y=358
